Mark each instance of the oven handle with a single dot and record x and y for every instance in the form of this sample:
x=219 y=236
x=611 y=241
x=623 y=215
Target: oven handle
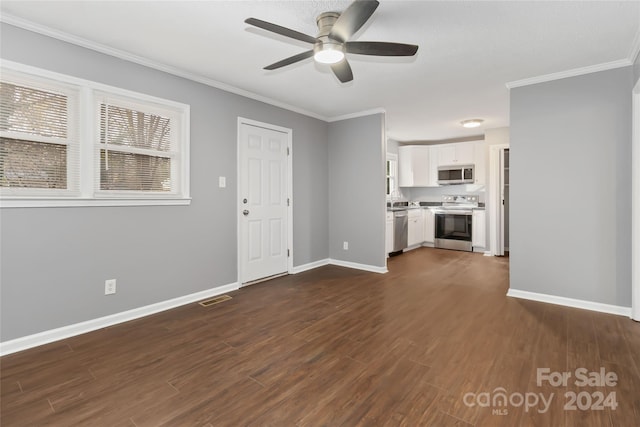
x=452 y=212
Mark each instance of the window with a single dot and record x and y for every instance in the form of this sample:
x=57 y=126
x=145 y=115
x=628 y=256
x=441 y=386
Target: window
x=137 y=147
x=38 y=137
x=70 y=142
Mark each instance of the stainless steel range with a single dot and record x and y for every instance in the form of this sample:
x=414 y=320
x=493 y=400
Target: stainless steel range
x=453 y=222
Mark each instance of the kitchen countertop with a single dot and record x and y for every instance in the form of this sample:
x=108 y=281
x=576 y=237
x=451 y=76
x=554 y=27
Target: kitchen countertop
x=426 y=205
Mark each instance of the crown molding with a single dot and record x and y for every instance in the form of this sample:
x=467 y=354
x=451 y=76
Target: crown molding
x=570 y=73
x=357 y=114
x=127 y=56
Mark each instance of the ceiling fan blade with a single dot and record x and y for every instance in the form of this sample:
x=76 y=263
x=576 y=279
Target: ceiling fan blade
x=283 y=31
x=291 y=60
x=342 y=70
x=381 y=48
x=352 y=19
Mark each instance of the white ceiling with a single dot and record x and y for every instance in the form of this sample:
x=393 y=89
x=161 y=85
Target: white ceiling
x=468 y=51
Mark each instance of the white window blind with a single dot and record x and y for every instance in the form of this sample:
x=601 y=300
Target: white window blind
x=38 y=138
x=137 y=148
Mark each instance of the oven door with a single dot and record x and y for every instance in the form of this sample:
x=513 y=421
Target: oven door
x=453 y=230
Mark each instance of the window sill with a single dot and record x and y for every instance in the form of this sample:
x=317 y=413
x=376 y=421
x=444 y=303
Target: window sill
x=75 y=202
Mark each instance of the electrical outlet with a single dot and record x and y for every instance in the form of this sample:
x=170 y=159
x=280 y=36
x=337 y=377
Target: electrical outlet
x=345 y=246
x=110 y=286
x=222 y=181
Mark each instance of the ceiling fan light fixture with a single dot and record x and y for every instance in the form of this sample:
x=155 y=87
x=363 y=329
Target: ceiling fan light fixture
x=471 y=123
x=329 y=54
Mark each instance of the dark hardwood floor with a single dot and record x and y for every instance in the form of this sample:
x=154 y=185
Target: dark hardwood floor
x=432 y=343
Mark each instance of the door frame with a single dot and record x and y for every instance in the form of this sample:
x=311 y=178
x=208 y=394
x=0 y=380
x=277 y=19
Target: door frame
x=239 y=207
x=635 y=203
x=496 y=230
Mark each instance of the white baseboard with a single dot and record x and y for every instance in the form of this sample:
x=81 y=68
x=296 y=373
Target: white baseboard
x=309 y=266
x=357 y=266
x=45 y=337
x=570 y=302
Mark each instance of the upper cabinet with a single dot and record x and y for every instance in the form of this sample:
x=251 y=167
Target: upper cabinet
x=462 y=153
x=418 y=164
x=414 y=162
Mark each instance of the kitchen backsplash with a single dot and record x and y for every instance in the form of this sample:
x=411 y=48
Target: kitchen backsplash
x=434 y=194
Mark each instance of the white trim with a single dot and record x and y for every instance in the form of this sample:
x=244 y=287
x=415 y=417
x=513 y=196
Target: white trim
x=494 y=205
x=356 y=115
x=310 y=266
x=78 y=202
x=635 y=48
x=570 y=302
x=635 y=203
x=570 y=73
x=30 y=341
x=79 y=41
x=290 y=204
x=289 y=219
x=357 y=266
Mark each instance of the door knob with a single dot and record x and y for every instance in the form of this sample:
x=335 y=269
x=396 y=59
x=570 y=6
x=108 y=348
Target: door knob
x=245 y=212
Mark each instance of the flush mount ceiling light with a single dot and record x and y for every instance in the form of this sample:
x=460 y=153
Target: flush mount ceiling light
x=471 y=123
x=328 y=53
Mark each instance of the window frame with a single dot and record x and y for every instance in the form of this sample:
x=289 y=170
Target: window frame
x=71 y=142
x=173 y=153
x=86 y=191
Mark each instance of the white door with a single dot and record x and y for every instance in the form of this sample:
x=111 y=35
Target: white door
x=263 y=183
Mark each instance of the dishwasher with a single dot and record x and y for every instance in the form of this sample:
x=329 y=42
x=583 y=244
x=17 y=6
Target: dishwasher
x=400 y=227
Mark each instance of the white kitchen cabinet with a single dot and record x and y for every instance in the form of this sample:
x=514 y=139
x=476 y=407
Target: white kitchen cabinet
x=460 y=153
x=415 y=166
x=420 y=155
x=405 y=166
x=415 y=232
x=478 y=229
x=389 y=233
x=429 y=225
x=480 y=161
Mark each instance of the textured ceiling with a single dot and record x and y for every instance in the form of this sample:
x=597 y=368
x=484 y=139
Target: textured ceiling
x=468 y=50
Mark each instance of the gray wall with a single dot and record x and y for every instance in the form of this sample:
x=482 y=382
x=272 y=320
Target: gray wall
x=356 y=187
x=571 y=187
x=636 y=69
x=54 y=260
x=392 y=146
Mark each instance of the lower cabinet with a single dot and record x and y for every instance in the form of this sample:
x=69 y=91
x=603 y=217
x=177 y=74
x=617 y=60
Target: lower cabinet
x=415 y=235
x=429 y=225
x=478 y=229
x=389 y=233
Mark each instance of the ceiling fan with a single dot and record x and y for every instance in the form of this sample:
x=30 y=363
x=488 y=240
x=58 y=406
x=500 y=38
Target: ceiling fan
x=332 y=42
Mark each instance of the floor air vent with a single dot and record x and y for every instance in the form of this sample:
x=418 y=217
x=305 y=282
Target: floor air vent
x=216 y=300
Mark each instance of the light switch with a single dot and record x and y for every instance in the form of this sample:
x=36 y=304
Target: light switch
x=222 y=181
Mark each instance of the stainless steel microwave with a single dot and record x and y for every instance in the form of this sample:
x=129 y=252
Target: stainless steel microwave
x=457 y=174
